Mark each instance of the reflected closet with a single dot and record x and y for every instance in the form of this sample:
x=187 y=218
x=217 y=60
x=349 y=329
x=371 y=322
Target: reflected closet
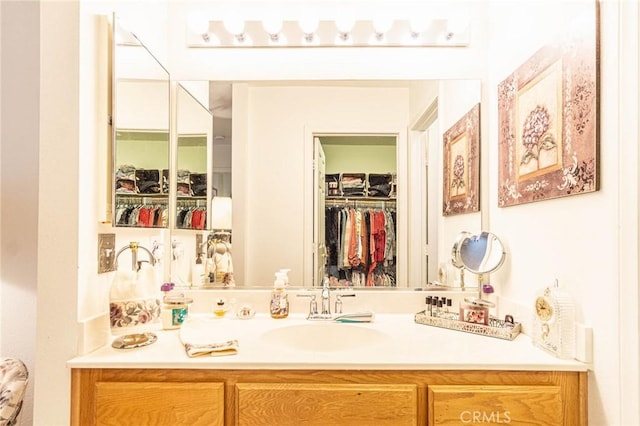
x=360 y=210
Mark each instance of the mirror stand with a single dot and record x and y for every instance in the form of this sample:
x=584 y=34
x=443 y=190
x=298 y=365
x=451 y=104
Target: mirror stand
x=480 y=300
x=461 y=269
x=481 y=254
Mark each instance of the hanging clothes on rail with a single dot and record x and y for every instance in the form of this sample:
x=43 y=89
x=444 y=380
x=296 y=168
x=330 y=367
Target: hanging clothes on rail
x=361 y=245
x=143 y=215
x=191 y=216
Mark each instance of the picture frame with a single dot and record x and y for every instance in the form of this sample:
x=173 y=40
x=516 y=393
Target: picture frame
x=461 y=183
x=548 y=119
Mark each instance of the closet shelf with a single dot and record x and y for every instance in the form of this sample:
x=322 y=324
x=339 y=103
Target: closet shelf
x=139 y=195
x=358 y=198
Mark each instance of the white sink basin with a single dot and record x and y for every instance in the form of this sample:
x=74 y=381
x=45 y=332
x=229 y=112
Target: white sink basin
x=324 y=336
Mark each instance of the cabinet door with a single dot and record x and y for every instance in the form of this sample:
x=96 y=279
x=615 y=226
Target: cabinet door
x=461 y=404
x=158 y=403
x=326 y=404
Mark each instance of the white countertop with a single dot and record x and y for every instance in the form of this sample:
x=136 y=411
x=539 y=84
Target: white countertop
x=404 y=345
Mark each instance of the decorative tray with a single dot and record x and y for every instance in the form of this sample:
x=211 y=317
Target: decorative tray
x=496 y=328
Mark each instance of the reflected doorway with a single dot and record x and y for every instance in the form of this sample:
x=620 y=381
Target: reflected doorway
x=355 y=205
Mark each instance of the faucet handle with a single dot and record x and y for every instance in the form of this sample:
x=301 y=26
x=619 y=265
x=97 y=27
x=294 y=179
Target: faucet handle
x=339 y=296
x=313 y=304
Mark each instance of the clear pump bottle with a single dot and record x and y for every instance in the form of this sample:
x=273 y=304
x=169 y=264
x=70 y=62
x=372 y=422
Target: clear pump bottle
x=279 y=306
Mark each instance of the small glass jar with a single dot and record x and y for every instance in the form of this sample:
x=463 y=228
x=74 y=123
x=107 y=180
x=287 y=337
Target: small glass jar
x=474 y=312
x=174 y=311
x=221 y=308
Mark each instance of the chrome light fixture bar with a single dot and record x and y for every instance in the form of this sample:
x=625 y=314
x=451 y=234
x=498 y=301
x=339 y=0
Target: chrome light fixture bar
x=439 y=32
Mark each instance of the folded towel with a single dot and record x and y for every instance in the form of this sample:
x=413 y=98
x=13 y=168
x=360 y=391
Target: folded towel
x=207 y=337
x=229 y=347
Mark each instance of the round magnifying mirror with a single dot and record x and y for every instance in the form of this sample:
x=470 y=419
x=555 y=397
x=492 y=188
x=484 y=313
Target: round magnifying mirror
x=480 y=253
x=456 y=261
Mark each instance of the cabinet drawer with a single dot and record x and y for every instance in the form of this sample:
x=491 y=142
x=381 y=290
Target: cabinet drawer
x=495 y=405
x=326 y=404
x=158 y=403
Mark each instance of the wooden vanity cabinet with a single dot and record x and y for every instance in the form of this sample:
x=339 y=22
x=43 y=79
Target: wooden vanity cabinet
x=145 y=397
x=311 y=404
x=326 y=397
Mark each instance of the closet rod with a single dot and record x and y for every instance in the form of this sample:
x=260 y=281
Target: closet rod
x=356 y=202
x=186 y=202
x=137 y=199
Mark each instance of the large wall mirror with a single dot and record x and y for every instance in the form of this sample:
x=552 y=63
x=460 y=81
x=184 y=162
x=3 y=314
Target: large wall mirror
x=140 y=134
x=280 y=199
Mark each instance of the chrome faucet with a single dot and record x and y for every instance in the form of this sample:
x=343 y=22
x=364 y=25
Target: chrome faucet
x=325 y=296
x=325 y=302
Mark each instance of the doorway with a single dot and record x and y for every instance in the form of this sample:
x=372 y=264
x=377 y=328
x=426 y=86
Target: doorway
x=355 y=198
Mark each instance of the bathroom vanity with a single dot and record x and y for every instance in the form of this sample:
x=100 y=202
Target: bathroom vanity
x=293 y=371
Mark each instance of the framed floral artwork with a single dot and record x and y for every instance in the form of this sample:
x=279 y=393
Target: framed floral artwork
x=461 y=183
x=548 y=120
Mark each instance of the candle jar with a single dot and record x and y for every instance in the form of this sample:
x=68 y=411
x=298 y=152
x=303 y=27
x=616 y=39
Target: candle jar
x=174 y=311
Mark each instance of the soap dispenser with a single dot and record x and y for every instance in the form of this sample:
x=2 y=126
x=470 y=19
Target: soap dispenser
x=285 y=276
x=198 y=271
x=279 y=306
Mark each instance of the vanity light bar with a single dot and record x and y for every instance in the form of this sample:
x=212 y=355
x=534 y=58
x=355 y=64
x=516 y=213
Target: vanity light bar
x=360 y=33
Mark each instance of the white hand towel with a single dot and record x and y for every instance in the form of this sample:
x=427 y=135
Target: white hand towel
x=229 y=347
x=202 y=337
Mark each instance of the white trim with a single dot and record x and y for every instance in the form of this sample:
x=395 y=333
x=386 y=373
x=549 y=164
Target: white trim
x=423 y=258
x=629 y=179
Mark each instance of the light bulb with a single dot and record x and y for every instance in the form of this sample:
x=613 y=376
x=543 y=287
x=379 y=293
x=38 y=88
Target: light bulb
x=457 y=25
x=272 y=26
x=418 y=25
x=309 y=24
x=234 y=24
x=382 y=24
x=198 y=24
x=345 y=24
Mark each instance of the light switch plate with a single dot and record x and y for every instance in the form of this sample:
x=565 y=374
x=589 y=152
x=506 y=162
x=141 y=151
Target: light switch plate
x=106 y=253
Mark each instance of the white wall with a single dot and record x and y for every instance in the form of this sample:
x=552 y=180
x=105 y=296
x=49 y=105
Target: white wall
x=58 y=236
x=575 y=239
x=73 y=148
x=19 y=186
x=629 y=220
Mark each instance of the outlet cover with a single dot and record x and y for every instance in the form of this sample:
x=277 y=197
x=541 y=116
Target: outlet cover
x=106 y=253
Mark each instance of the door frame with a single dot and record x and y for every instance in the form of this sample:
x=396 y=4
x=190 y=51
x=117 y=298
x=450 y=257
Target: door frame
x=309 y=216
